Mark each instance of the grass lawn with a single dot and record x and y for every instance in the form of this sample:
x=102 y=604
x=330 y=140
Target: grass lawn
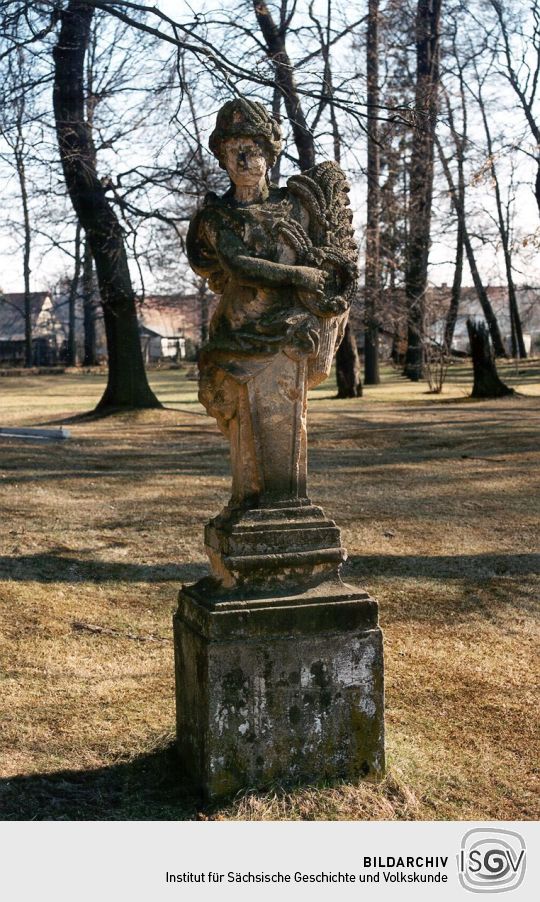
x=437 y=497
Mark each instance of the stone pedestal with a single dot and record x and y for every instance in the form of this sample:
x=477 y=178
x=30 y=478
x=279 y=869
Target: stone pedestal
x=274 y=689
x=286 y=544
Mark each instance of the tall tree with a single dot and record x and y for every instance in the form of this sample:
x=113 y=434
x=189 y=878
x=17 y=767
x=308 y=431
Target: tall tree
x=428 y=14
x=462 y=56
x=275 y=40
x=14 y=123
x=458 y=204
x=127 y=385
x=518 y=345
x=460 y=140
x=372 y=284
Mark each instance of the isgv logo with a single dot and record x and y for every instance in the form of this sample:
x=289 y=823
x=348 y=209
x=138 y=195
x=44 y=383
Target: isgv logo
x=491 y=861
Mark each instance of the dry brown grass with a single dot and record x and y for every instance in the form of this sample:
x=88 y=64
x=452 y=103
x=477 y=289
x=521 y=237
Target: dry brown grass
x=438 y=503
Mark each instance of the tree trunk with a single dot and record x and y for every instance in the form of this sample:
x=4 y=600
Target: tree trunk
x=71 y=356
x=277 y=51
x=28 y=355
x=458 y=202
x=21 y=174
x=372 y=282
x=455 y=295
x=487 y=383
x=421 y=178
x=89 y=308
x=518 y=343
x=487 y=309
x=348 y=369
x=127 y=385
x=202 y=291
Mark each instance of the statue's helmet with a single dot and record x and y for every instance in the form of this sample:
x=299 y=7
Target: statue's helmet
x=246 y=118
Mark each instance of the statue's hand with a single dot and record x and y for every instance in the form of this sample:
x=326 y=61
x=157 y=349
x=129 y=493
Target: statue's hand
x=308 y=278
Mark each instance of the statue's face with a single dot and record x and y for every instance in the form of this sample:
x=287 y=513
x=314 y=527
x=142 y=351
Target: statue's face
x=245 y=162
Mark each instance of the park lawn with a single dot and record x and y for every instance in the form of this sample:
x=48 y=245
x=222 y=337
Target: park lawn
x=437 y=497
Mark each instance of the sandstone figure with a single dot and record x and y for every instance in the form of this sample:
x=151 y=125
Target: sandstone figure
x=284 y=262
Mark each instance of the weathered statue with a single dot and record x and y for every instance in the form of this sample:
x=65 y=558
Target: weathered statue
x=284 y=262
x=279 y=667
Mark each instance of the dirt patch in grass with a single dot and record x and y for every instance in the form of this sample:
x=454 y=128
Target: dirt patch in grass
x=438 y=502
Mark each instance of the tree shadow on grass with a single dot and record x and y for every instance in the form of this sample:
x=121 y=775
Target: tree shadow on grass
x=147 y=788
x=492 y=586
x=122 y=413
x=444 y=566
x=51 y=567
x=55 y=568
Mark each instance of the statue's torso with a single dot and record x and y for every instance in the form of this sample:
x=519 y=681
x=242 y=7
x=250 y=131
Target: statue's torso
x=244 y=310
x=249 y=253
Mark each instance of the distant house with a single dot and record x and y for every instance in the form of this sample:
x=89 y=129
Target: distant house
x=172 y=325
x=528 y=301
x=394 y=316
x=48 y=329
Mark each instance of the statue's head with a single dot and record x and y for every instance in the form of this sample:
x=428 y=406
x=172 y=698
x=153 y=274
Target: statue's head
x=246 y=140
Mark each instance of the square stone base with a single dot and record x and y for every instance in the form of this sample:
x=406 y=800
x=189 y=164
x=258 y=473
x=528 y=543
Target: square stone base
x=278 y=690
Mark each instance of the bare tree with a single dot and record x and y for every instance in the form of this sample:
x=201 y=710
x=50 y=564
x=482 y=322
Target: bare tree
x=372 y=284
x=481 y=292
x=518 y=345
x=15 y=118
x=127 y=385
x=465 y=71
x=523 y=71
x=428 y=14
x=274 y=37
x=460 y=140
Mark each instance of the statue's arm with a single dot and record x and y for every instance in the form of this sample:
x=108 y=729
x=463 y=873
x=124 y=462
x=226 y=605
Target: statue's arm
x=257 y=272
x=201 y=253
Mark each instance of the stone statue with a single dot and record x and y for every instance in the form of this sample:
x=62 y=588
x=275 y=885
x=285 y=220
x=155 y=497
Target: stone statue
x=279 y=664
x=283 y=261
